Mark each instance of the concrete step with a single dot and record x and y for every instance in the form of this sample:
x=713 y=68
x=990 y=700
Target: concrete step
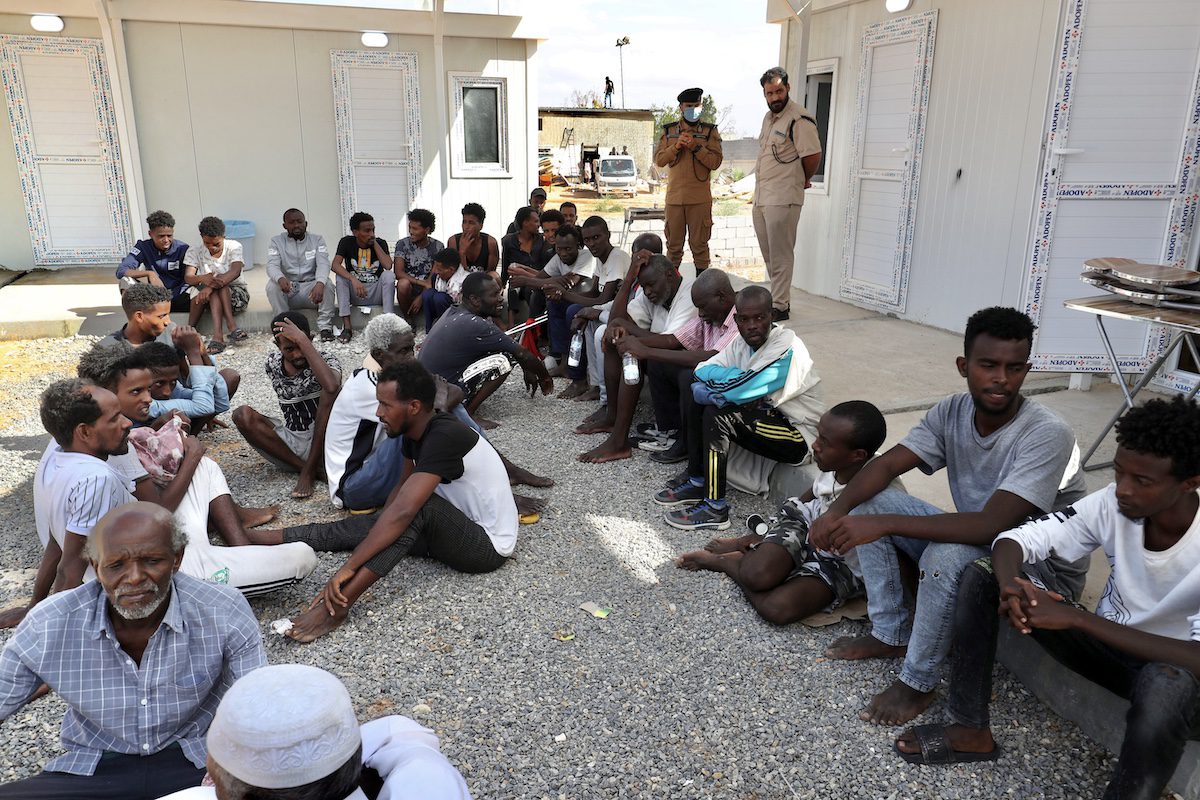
x=85 y=301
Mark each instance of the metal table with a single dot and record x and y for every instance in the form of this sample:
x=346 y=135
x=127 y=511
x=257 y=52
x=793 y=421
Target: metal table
x=1185 y=323
x=633 y=215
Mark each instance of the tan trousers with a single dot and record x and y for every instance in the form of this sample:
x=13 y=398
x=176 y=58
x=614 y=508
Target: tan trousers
x=775 y=227
x=696 y=220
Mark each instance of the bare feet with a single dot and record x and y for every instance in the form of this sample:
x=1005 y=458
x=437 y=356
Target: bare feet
x=316 y=622
x=608 y=451
x=573 y=390
x=590 y=396
x=268 y=536
x=527 y=504
x=304 y=487
x=703 y=559
x=960 y=738
x=253 y=517
x=853 y=648
x=599 y=415
x=896 y=705
x=11 y=617
x=588 y=428
x=519 y=476
x=485 y=423
x=733 y=544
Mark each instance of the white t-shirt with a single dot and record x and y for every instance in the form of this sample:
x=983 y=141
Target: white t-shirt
x=473 y=478
x=353 y=430
x=207 y=264
x=129 y=466
x=613 y=268
x=1153 y=591
x=71 y=492
x=660 y=319
x=406 y=756
x=584 y=265
x=452 y=287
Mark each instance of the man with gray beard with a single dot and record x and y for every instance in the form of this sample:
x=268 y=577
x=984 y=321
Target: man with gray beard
x=141 y=656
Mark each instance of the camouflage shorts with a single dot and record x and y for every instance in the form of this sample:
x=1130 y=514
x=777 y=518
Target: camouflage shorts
x=792 y=535
x=239 y=297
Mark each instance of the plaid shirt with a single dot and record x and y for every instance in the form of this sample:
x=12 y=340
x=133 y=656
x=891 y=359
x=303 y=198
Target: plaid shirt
x=700 y=335
x=207 y=640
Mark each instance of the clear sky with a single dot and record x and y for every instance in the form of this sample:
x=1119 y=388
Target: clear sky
x=722 y=46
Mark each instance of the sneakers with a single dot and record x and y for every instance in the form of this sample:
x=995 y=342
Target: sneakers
x=700 y=516
x=675 y=454
x=678 y=480
x=681 y=495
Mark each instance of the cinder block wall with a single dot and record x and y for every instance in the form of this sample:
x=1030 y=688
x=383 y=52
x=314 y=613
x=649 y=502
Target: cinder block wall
x=733 y=241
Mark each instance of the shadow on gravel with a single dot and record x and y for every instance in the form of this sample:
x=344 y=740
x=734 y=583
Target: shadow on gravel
x=30 y=447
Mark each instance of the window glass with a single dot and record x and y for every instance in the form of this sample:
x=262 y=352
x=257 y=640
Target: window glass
x=481 y=124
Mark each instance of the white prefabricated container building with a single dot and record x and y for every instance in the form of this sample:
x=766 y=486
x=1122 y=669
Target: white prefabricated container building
x=979 y=152
x=242 y=109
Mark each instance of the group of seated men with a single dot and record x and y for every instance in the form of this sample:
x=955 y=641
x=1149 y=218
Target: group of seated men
x=420 y=276
x=732 y=394
x=729 y=389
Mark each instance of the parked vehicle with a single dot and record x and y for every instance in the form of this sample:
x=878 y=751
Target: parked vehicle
x=615 y=175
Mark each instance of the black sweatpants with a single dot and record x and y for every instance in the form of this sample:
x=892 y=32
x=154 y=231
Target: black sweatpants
x=438 y=531
x=761 y=430
x=117 y=777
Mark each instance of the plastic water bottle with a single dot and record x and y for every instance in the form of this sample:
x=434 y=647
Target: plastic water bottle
x=630 y=369
x=575 y=354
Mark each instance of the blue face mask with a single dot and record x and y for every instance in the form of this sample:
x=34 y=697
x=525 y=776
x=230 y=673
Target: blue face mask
x=692 y=113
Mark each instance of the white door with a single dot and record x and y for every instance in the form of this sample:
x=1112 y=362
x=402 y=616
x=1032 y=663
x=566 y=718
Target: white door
x=377 y=116
x=1119 y=175
x=65 y=135
x=889 y=131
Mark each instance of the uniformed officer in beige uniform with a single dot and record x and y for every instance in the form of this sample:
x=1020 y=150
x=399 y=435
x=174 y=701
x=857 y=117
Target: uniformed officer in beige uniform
x=789 y=153
x=691 y=149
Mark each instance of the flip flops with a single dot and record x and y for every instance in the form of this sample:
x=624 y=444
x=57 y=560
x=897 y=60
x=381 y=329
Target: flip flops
x=215 y=347
x=936 y=750
x=345 y=336
x=239 y=335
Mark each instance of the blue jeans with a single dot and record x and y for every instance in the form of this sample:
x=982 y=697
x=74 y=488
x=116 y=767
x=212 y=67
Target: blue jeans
x=220 y=394
x=369 y=485
x=559 y=325
x=580 y=372
x=927 y=633
x=434 y=304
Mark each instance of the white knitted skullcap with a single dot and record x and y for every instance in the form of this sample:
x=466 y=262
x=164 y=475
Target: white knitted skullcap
x=284 y=726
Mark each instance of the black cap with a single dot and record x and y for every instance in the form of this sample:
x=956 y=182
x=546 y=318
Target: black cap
x=538 y=192
x=690 y=95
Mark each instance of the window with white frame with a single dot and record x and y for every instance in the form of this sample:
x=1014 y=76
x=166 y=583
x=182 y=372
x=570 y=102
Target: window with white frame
x=819 y=99
x=479 y=134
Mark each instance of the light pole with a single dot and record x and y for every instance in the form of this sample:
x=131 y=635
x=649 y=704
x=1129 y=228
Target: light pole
x=624 y=40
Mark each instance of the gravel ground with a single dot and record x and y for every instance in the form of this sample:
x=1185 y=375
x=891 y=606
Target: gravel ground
x=681 y=692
